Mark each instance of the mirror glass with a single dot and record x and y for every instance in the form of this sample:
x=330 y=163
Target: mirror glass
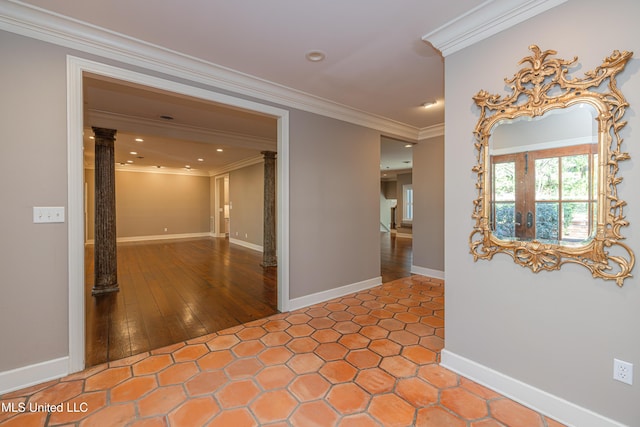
x=543 y=176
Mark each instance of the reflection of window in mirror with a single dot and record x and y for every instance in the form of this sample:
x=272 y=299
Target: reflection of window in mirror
x=547 y=195
x=544 y=176
x=407 y=196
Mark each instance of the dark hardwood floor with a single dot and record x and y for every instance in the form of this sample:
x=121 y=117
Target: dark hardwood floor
x=176 y=290
x=172 y=291
x=396 y=257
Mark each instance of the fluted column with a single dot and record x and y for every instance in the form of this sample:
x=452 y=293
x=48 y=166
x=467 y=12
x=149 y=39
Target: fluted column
x=105 y=256
x=269 y=258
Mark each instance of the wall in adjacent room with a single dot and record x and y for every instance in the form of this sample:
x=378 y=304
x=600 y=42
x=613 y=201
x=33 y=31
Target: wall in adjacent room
x=155 y=204
x=246 y=199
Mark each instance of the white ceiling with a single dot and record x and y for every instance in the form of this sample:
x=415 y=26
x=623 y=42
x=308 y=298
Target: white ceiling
x=377 y=65
x=375 y=61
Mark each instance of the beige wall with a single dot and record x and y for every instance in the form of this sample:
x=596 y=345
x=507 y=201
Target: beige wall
x=246 y=198
x=557 y=331
x=147 y=203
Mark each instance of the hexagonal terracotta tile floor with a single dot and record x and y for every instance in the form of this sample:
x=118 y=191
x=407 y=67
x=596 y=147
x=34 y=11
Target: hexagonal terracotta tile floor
x=366 y=359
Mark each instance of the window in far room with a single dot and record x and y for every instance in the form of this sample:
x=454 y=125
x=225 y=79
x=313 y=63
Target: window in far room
x=407 y=196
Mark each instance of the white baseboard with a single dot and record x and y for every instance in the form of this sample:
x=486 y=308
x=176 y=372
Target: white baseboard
x=427 y=272
x=539 y=400
x=27 y=376
x=246 y=244
x=156 y=237
x=330 y=294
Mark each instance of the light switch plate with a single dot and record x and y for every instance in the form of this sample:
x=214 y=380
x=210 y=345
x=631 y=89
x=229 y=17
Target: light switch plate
x=48 y=214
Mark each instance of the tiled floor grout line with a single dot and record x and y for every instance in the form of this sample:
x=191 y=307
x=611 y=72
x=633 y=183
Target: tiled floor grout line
x=369 y=358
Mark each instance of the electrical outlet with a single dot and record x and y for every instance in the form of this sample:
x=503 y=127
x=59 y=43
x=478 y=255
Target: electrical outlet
x=623 y=371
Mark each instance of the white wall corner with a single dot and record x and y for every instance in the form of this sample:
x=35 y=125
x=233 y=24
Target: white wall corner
x=330 y=294
x=539 y=400
x=437 y=274
x=483 y=21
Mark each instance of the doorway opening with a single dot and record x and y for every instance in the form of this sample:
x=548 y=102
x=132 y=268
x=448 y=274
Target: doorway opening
x=396 y=208
x=77 y=70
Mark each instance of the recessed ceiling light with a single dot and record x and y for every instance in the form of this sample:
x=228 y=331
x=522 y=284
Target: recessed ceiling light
x=187 y=166
x=201 y=160
x=408 y=145
x=139 y=140
x=429 y=104
x=129 y=161
x=133 y=152
x=219 y=150
x=315 y=55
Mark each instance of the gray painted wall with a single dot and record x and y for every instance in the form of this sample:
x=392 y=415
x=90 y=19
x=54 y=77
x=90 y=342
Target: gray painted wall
x=557 y=331
x=428 y=192
x=334 y=204
x=33 y=257
x=334 y=210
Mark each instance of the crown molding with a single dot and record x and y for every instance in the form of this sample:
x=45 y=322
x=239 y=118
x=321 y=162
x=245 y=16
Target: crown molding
x=483 y=21
x=37 y=23
x=154 y=170
x=181 y=171
x=236 y=165
x=431 y=132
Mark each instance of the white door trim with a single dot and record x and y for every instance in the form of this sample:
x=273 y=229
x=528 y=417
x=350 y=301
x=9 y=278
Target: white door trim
x=75 y=69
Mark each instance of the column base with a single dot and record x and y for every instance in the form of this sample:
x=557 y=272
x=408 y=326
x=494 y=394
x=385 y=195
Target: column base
x=106 y=290
x=269 y=264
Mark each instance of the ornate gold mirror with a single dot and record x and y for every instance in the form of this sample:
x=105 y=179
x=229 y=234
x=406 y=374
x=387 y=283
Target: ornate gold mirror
x=547 y=165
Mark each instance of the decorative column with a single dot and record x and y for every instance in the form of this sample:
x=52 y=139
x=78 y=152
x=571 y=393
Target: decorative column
x=269 y=258
x=105 y=259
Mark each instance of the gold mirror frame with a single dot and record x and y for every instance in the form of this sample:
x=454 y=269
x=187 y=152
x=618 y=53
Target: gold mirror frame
x=540 y=87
